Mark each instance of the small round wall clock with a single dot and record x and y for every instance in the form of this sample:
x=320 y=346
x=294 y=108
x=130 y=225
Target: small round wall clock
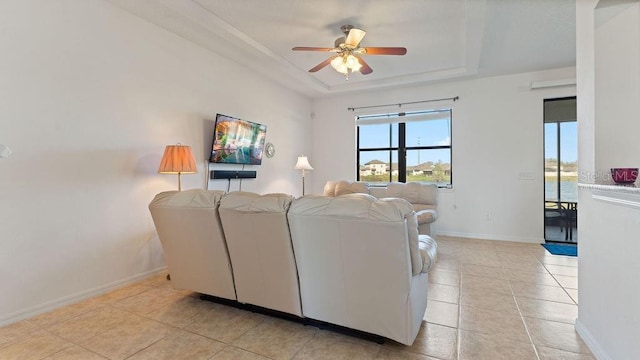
x=270 y=150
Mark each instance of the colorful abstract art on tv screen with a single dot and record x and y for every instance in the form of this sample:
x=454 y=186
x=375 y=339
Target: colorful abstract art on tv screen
x=237 y=141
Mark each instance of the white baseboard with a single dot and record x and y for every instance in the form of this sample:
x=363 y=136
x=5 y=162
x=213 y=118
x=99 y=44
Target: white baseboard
x=591 y=342
x=74 y=298
x=530 y=240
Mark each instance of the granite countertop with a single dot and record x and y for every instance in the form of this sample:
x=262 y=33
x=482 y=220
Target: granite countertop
x=618 y=194
x=619 y=188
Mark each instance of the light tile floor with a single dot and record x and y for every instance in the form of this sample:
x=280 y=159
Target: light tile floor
x=487 y=300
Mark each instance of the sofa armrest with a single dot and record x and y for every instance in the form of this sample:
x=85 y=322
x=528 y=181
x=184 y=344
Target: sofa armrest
x=428 y=251
x=427 y=216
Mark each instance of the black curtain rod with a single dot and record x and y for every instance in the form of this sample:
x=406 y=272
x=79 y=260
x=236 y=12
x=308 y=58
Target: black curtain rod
x=456 y=98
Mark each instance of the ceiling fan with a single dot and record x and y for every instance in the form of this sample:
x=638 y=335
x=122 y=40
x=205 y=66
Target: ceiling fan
x=348 y=52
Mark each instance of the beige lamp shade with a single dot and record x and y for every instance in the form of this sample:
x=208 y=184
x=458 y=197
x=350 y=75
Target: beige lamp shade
x=303 y=163
x=178 y=159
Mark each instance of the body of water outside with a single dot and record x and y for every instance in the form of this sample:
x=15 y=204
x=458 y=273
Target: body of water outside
x=568 y=190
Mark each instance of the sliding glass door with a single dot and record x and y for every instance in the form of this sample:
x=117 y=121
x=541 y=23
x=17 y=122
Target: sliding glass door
x=560 y=170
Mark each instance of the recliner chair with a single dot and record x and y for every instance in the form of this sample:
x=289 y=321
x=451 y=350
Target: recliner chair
x=194 y=246
x=361 y=263
x=257 y=233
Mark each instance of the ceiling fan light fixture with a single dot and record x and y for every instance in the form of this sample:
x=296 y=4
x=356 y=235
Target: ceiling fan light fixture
x=353 y=63
x=346 y=63
x=340 y=65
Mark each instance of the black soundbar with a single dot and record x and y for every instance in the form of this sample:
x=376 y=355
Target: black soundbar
x=233 y=174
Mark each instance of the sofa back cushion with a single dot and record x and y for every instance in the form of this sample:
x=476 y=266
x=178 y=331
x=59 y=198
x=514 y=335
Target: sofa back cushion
x=248 y=202
x=191 y=235
x=413 y=192
x=369 y=211
x=378 y=191
x=257 y=233
x=343 y=187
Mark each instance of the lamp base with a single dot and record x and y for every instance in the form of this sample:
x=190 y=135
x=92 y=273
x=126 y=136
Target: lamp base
x=303 y=175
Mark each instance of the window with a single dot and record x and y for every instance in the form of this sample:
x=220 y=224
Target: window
x=411 y=146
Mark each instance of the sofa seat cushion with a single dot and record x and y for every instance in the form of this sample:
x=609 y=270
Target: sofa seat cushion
x=428 y=252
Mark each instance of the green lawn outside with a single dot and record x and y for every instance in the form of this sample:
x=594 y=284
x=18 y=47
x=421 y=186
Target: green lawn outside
x=443 y=179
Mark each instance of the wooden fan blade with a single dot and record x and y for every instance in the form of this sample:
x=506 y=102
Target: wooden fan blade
x=354 y=37
x=384 y=51
x=365 y=69
x=322 y=64
x=306 y=48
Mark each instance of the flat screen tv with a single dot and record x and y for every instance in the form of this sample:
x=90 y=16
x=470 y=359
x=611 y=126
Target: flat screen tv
x=237 y=141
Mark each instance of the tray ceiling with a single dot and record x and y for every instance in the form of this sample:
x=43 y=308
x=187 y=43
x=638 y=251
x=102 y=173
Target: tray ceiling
x=445 y=39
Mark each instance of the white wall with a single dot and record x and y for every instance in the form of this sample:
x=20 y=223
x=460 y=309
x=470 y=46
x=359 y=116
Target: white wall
x=91 y=95
x=617 y=86
x=608 y=74
x=585 y=88
x=609 y=286
x=497 y=135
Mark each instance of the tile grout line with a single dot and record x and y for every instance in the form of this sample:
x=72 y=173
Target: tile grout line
x=554 y=278
x=524 y=323
x=73 y=343
x=458 y=328
x=526 y=327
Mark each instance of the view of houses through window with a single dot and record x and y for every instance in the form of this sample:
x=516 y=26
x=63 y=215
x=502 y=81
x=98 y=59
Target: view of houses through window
x=404 y=147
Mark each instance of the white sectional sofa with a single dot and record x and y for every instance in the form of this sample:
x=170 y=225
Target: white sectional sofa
x=354 y=261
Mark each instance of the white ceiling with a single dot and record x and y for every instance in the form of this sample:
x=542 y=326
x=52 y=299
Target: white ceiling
x=445 y=39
